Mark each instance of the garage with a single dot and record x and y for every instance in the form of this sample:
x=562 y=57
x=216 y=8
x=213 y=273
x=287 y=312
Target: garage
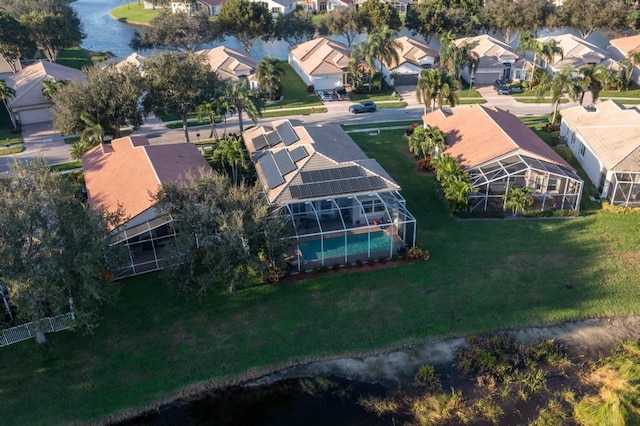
x=486 y=78
x=39 y=115
x=406 y=80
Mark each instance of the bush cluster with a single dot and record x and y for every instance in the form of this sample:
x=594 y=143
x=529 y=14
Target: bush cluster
x=418 y=253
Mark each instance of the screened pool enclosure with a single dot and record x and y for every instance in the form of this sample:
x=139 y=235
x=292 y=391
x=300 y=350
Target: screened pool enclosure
x=345 y=229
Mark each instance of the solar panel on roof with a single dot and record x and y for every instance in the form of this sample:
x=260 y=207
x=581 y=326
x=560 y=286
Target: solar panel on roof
x=295 y=191
x=273 y=138
x=284 y=162
x=270 y=171
x=298 y=154
x=260 y=142
x=335 y=187
x=286 y=132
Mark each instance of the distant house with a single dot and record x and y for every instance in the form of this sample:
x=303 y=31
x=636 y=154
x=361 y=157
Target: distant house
x=7 y=69
x=321 y=62
x=126 y=173
x=620 y=48
x=135 y=59
x=496 y=60
x=322 y=6
x=399 y=5
x=606 y=143
x=498 y=150
x=210 y=7
x=340 y=205
x=278 y=7
x=413 y=56
x=29 y=104
x=231 y=64
x=576 y=53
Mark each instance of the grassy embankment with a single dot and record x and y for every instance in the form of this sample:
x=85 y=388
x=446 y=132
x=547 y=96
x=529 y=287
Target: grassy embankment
x=482 y=275
x=135 y=14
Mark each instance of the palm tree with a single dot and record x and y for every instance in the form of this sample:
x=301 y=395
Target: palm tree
x=427 y=87
x=457 y=193
x=554 y=87
x=242 y=99
x=447 y=91
x=231 y=151
x=528 y=43
x=269 y=74
x=592 y=78
x=447 y=52
x=383 y=47
x=519 y=199
x=50 y=87
x=426 y=141
x=6 y=94
x=208 y=110
x=549 y=50
x=91 y=136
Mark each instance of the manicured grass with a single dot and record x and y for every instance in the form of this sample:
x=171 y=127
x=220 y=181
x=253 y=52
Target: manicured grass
x=467 y=101
x=72 y=165
x=376 y=97
x=349 y=127
x=134 y=13
x=11 y=150
x=297 y=111
x=294 y=91
x=632 y=93
x=542 y=101
x=317 y=19
x=469 y=93
x=395 y=104
x=75 y=57
x=482 y=275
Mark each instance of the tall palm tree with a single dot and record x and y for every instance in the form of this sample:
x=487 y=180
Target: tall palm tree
x=242 y=99
x=208 y=110
x=427 y=87
x=6 y=94
x=383 y=46
x=549 y=50
x=447 y=52
x=230 y=150
x=269 y=74
x=554 y=87
x=592 y=78
x=528 y=43
x=447 y=91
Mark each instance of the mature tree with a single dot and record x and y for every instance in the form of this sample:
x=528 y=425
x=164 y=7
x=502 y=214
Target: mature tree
x=247 y=21
x=14 y=40
x=269 y=74
x=243 y=99
x=176 y=31
x=230 y=151
x=505 y=17
x=587 y=16
x=343 y=21
x=536 y=15
x=383 y=46
x=177 y=83
x=295 y=27
x=425 y=141
x=427 y=18
x=53 y=32
x=225 y=233
x=376 y=14
x=6 y=94
x=54 y=249
x=455 y=58
x=437 y=88
x=109 y=98
x=547 y=51
x=519 y=199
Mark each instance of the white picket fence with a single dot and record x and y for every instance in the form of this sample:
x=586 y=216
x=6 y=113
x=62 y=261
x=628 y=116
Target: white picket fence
x=25 y=331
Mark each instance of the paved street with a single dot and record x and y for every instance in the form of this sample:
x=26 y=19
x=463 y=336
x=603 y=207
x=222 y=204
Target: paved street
x=42 y=140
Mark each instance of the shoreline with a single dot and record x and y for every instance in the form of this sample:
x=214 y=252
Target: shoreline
x=396 y=365
x=126 y=21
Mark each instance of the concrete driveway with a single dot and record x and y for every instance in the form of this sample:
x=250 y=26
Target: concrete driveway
x=38 y=133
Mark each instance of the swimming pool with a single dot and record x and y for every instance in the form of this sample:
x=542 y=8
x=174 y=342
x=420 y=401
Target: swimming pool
x=356 y=244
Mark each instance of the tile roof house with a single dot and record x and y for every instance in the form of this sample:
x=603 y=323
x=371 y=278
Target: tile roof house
x=497 y=150
x=341 y=205
x=135 y=59
x=210 y=7
x=620 y=48
x=125 y=174
x=413 y=56
x=278 y=7
x=496 y=60
x=231 y=64
x=7 y=69
x=606 y=143
x=320 y=62
x=29 y=104
x=576 y=53
x=323 y=6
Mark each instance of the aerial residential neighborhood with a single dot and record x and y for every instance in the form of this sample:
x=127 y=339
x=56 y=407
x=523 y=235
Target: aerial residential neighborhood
x=320 y=212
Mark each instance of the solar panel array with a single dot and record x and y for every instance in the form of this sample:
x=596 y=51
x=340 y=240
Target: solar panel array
x=270 y=171
x=298 y=154
x=273 y=138
x=334 y=187
x=331 y=174
x=260 y=142
x=286 y=132
x=284 y=162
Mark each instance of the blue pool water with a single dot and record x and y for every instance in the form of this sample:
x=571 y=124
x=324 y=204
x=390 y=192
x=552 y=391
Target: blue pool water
x=334 y=247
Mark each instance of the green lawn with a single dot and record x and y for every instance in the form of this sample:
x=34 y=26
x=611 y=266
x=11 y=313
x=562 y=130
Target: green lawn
x=74 y=57
x=376 y=97
x=482 y=275
x=135 y=13
x=634 y=92
x=301 y=111
x=542 y=101
x=6 y=136
x=380 y=125
x=317 y=19
x=294 y=91
x=394 y=104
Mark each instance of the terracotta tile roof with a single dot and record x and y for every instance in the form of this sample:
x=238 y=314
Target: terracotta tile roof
x=28 y=82
x=477 y=134
x=322 y=56
x=131 y=169
x=576 y=52
x=412 y=51
x=612 y=131
x=229 y=63
x=627 y=44
x=491 y=52
x=327 y=146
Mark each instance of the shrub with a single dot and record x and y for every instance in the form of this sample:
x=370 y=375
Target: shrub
x=316 y=270
x=370 y=261
x=425 y=164
x=497 y=355
x=610 y=208
x=273 y=275
x=358 y=263
x=324 y=268
x=427 y=378
x=336 y=267
x=418 y=253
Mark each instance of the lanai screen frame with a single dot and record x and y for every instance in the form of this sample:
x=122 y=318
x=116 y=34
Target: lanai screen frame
x=518 y=173
x=391 y=213
x=624 y=189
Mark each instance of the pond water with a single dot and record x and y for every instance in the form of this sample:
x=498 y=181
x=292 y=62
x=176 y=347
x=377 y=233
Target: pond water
x=309 y=402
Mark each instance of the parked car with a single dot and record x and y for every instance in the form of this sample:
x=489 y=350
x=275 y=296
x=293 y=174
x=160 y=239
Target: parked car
x=364 y=106
x=502 y=87
x=325 y=96
x=341 y=93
